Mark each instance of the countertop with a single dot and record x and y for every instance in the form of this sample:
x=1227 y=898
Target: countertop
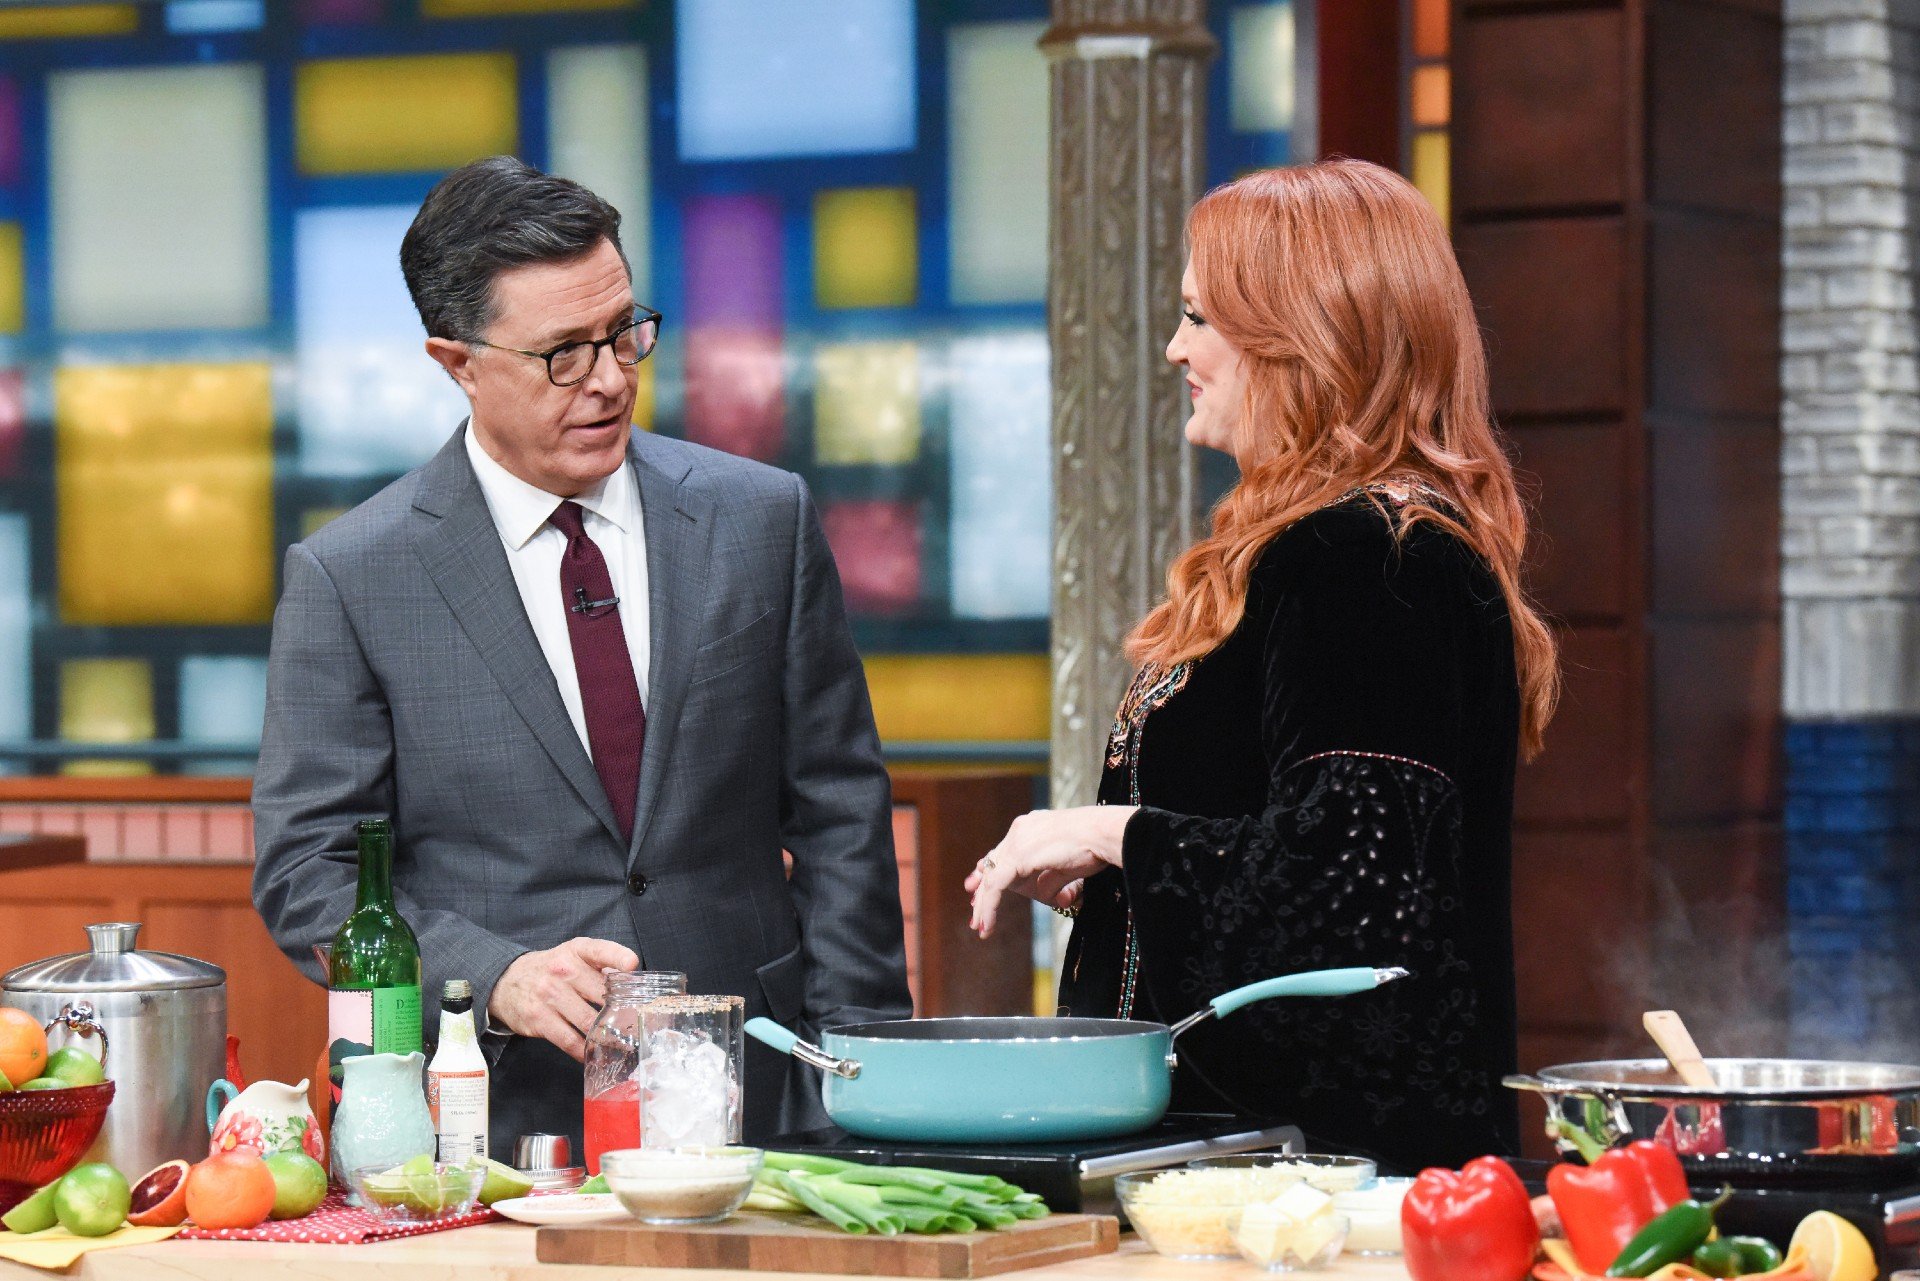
x=504 y=1252
x=40 y=849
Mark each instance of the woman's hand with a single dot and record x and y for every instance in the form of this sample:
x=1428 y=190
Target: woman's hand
x=1045 y=856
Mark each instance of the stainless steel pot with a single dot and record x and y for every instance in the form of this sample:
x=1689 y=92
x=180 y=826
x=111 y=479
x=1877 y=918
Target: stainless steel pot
x=1766 y=1122
x=159 y=1020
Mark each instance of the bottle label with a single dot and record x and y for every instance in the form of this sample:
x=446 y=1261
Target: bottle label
x=396 y=1019
x=349 y=1026
x=458 y=1101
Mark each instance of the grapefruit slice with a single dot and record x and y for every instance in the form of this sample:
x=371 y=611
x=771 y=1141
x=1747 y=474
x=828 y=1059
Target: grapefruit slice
x=160 y=1198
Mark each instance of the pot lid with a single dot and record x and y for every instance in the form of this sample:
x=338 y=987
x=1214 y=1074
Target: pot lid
x=112 y=965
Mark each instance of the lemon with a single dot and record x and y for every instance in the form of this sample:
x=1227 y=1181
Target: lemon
x=1835 y=1249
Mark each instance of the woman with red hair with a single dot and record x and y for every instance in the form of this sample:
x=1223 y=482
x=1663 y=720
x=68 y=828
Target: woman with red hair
x=1314 y=764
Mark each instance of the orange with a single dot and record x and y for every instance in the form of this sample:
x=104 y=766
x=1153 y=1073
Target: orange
x=232 y=1190
x=160 y=1198
x=23 y=1046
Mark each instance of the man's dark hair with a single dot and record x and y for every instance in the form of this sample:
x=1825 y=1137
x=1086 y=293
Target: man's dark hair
x=485 y=218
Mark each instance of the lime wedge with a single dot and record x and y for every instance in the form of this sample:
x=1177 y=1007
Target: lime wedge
x=35 y=1214
x=426 y=1192
x=388 y=1188
x=5 y=1085
x=503 y=1182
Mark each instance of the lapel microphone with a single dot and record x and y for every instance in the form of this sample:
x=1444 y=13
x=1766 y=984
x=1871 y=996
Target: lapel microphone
x=581 y=605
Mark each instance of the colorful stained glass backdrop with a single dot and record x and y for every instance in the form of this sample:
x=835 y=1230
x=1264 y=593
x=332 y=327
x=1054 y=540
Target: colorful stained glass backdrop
x=207 y=352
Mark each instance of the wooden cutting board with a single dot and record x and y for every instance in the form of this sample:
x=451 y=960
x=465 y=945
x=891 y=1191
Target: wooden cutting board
x=788 y=1243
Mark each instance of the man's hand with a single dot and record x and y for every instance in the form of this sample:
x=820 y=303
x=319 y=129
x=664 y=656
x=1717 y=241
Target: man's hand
x=556 y=994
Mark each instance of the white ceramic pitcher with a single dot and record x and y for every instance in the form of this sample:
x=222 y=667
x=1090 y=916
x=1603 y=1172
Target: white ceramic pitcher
x=267 y=1116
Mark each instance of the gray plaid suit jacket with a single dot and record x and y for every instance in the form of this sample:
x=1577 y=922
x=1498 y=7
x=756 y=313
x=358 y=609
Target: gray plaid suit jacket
x=405 y=680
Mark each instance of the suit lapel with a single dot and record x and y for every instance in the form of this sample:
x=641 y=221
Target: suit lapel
x=679 y=531
x=461 y=550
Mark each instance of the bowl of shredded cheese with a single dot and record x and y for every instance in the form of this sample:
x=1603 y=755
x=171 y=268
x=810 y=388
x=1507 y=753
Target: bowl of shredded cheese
x=1190 y=1214
x=1331 y=1174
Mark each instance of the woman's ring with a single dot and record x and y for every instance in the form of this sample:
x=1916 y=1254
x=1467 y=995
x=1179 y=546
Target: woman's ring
x=986 y=864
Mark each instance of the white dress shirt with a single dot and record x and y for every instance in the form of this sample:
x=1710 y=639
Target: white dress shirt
x=616 y=525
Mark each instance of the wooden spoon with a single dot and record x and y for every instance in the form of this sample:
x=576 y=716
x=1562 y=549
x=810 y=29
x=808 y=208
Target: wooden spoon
x=1671 y=1035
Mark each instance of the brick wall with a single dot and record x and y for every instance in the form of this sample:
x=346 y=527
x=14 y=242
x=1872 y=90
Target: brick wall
x=1853 y=884
x=1851 y=523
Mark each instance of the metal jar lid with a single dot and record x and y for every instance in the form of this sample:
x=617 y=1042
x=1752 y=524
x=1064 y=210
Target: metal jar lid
x=112 y=965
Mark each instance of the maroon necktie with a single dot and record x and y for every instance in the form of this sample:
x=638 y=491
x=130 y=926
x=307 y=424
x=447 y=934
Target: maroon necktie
x=616 y=723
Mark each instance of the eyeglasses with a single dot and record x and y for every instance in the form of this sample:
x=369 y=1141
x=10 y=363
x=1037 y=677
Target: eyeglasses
x=571 y=362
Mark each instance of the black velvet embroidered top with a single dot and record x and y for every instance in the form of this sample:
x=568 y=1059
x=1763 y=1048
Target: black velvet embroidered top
x=1331 y=786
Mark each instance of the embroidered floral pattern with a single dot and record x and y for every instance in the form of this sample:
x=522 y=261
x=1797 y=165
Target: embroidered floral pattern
x=1151 y=688
x=1357 y=862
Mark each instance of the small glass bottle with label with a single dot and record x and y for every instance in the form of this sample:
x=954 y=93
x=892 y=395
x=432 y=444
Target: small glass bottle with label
x=457 y=1080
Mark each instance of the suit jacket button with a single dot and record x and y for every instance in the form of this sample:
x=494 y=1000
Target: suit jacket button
x=636 y=885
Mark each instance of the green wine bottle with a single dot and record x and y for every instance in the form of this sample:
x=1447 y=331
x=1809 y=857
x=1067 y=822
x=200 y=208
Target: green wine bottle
x=373 y=972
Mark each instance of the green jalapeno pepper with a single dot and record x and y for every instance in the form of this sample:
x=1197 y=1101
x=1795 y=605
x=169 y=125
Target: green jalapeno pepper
x=1671 y=1238
x=1737 y=1257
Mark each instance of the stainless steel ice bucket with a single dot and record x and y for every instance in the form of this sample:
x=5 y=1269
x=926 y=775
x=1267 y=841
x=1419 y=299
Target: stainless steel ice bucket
x=161 y=1021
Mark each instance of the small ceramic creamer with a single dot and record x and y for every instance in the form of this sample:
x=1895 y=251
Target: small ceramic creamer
x=267 y=1116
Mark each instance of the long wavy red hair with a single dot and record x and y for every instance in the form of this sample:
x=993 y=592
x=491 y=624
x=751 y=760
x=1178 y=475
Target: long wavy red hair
x=1337 y=283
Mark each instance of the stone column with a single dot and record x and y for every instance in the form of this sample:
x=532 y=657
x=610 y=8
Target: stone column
x=1129 y=85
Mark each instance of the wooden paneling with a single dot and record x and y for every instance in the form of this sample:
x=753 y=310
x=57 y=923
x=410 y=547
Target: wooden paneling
x=1715 y=498
x=960 y=816
x=1616 y=169
x=1576 y=913
x=204 y=912
x=1538 y=104
x=1717 y=143
x=1719 y=921
x=1714 y=308
x=1577 y=475
x=1587 y=772
x=1716 y=720
x=1358 y=61
x=1551 y=293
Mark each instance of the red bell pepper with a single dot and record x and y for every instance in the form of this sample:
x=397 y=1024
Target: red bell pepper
x=1473 y=1225
x=1604 y=1204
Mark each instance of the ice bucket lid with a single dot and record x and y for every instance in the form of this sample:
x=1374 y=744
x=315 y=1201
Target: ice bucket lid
x=112 y=965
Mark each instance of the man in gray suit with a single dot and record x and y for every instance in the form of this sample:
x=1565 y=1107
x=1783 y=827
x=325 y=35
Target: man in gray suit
x=599 y=679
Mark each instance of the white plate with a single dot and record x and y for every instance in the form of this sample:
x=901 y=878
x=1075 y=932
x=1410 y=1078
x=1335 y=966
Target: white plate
x=567 y=1207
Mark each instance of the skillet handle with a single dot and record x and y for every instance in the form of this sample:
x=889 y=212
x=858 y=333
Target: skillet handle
x=785 y=1041
x=1345 y=982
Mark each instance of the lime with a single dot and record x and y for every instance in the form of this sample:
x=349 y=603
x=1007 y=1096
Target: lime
x=92 y=1200
x=426 y=1191
x=35 y=1214
x=74 y=1066
x=5 y=1085
x=44 y=1083
x=597 y=1185
x=299 y=1184
x=503 y=1182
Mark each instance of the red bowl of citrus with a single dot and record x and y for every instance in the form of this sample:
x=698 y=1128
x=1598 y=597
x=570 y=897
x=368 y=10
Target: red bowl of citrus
x=43 y=1132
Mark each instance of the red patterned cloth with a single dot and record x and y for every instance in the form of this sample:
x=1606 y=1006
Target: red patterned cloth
x=336 y=1223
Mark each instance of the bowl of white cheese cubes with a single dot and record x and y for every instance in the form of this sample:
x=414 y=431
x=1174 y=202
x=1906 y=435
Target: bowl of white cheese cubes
x=1296 y=1231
